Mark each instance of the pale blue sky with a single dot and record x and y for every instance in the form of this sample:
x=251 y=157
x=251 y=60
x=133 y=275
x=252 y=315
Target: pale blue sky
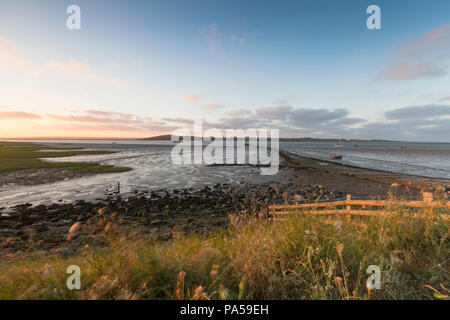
x=308 y=67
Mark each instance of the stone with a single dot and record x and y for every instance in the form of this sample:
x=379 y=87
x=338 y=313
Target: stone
x=102 y=211
x=108 y=226
x=75 y=228
x=72 y=236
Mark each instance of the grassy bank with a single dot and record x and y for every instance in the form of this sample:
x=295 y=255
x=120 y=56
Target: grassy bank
x=305 y=257
x=21 y=163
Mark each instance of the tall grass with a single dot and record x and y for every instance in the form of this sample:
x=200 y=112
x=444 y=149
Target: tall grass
x=304 y=257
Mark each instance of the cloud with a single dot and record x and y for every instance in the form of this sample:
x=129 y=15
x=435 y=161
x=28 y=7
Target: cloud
x=110 y=114
x=409 y=71
x=303 y=117
x=183 y=121
x=421 y=57
x=12 y=58
x=274 y=113
x=110 y=122
x=317 y=116
x=428 y=43
x=106 y=117
x=411 y=123
x=211 y=106
x=15 y=115
x=239 y=112
x=418 y=112
x=116 y=128
x=75 y=69
x=191 y=97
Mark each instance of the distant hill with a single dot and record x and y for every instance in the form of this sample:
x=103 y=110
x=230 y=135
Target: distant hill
x=163 y=137
x=167 y=137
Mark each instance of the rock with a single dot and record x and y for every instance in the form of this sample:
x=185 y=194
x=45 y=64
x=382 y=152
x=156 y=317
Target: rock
x=395 y=185
x=108 y=226
x=102 y=211
x=299 y=198
x=63 y=222
x=165 y=236
x=72 y=236
x=75 y=228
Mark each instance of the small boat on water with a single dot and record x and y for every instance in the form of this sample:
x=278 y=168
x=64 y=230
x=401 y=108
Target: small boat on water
x=336 y=157
x=338 y=145
x=403 y=145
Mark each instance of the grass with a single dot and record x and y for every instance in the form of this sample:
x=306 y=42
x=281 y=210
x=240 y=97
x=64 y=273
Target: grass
x=17 y=156
x=304 y=257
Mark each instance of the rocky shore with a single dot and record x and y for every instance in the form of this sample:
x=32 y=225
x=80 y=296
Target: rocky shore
x=64 y=228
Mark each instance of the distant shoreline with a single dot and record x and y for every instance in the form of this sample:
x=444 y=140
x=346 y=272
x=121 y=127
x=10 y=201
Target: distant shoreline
x=168 y=138
x=383 y=176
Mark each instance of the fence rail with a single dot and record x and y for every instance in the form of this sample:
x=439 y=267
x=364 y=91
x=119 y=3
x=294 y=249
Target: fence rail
x=355 y=208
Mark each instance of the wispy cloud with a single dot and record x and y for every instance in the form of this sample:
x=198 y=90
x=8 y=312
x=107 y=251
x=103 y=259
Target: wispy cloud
x=421 y=57
x=429 y=43
x=75 y=69
x=239 y=112
x=422 y=122
x=418 y=112
x=12 y=58
x=211 y=106
x=15 y=115
x=191 y=97
x=109 y=121
x=100 y=116
x=408 y=71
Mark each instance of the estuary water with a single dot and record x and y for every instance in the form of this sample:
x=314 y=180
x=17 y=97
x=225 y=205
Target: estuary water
x=153 y=168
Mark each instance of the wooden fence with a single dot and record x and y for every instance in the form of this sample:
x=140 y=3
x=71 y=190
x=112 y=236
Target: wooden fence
x=351 y=207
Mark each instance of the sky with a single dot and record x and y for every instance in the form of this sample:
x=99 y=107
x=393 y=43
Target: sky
x=307 y=67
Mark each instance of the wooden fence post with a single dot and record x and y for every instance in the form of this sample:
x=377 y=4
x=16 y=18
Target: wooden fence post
x=349 y=197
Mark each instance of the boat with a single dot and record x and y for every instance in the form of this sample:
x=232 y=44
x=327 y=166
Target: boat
x=338 y=145
x=403 y=145
x=336 y=157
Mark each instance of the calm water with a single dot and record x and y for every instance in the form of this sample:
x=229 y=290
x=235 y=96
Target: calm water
x=423 y=159
x=153 y=168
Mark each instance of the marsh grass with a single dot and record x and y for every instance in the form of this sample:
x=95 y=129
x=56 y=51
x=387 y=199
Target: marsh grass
x=26 y=157
x=304 y=257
